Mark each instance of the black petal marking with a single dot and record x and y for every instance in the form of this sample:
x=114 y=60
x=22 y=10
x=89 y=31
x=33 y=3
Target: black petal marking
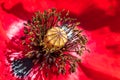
x=22 y=67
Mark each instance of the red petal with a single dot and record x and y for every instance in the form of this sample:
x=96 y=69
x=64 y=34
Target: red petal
x=100 y=19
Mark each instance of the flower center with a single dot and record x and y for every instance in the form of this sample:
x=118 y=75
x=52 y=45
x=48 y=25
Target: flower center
x=55 y=38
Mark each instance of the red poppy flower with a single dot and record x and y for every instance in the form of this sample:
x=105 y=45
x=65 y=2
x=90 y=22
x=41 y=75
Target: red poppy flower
x=99 y=19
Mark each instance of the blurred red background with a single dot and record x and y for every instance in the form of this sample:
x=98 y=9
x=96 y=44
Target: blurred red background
x=99 y=18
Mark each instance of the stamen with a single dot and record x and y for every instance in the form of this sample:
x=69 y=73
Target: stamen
x=47 y=36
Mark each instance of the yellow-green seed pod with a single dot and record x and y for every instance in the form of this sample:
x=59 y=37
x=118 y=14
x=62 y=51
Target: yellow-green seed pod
x=55 y=38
